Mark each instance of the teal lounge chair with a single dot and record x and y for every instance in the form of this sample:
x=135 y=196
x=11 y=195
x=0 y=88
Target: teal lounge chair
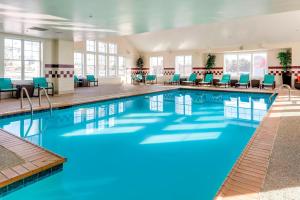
x=192 y=79
x=7 y=86
x=174 y=80
x=208 y=80
x=136 y=78
x=41 y=82
x=225 y=81
x=77 y=81
x=269 y=81
x=244 y=81
x=150 y=79
x=91 y=79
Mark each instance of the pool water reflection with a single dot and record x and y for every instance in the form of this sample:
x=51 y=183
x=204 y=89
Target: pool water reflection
x=171 y=145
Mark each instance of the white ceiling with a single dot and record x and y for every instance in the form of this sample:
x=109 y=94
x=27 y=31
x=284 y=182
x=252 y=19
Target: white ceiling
x=79 y=19
x=252 y=32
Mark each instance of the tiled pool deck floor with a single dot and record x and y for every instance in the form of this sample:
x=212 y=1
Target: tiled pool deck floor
x=33 y=163
x=255 y=175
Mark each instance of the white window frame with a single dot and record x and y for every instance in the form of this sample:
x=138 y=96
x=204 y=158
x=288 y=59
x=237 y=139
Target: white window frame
x=185 y=65
x=238 y=54
x=156 y=69
x=82 y=62
x=40 y=60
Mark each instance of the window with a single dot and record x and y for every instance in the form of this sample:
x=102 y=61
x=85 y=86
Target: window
x=183 y=65
x=22 y=59
x=260 y=66
x=32 y=59
x=112 y=65
x=102 y=47
x=231 y=63
x=156 y=66
x=91 y=46
x=13 y=59
x=121 y=67
x=101 y=59
x=102 y=65
x=90 y=62
x=254 y=64
x=113 y=49
x=78 y=64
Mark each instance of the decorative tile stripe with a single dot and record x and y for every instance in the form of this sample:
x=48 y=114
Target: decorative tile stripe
x=278 y=71
x=58 y=66
x=29 y=180
x=59 y=74
x=169 y=71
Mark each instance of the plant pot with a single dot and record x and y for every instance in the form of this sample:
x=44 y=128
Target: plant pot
x=287 y=78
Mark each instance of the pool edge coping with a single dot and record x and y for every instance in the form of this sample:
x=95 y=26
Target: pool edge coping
x=228 y=183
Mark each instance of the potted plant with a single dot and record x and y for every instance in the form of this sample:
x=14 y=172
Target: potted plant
x=140 y=64
x=210 y=62
x=285 y=59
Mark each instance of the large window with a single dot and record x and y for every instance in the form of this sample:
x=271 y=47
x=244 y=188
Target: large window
x=91 y=46
x=22 y=59
x=156 y=66
x=90 y=64
x=78 y=64
x=102 y=65
x=112 y=66
x=183 y=65
x=122 y=66
x=254 y=64
x=113 y=49
x=101 y=59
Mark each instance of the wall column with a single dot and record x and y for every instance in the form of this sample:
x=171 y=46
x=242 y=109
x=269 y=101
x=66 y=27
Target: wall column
x=61 y=71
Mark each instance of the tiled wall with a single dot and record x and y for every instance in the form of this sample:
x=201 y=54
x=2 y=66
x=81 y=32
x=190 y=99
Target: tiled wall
x=61 y=76
x=277 y=71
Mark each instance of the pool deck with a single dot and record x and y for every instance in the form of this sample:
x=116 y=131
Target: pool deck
x=32 y=160
x=254 y=176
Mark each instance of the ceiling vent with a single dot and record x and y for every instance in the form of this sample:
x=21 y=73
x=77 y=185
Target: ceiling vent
x=38 y=29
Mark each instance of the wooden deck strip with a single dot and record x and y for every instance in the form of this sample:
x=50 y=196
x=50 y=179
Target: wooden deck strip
x=246 y=179
x=36 y=159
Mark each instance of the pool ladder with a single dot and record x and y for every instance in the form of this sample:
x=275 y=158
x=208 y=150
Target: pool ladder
x=281 y=87
x=28 y=98
x=40 y=99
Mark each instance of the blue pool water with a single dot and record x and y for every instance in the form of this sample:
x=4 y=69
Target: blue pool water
x=165 y=146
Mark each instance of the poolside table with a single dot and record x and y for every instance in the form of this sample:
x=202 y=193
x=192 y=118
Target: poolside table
x=29 y=88
x=255 y=83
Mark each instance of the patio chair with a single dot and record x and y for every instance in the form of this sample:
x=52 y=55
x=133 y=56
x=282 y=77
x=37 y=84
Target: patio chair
x=244 y=81
x=150 y=79
x=77 y=81
x=174 y=80
x=91 y=79
x=41 y=82
x=208 y=79
x=269 y=81
x=225 y=81
x=192 y=79
x=136 y=78
x=7 y=86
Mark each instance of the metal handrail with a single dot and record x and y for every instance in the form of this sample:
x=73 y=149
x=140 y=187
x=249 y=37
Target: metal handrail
x=47 y=96
x=28 y=98
x=281 y=87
